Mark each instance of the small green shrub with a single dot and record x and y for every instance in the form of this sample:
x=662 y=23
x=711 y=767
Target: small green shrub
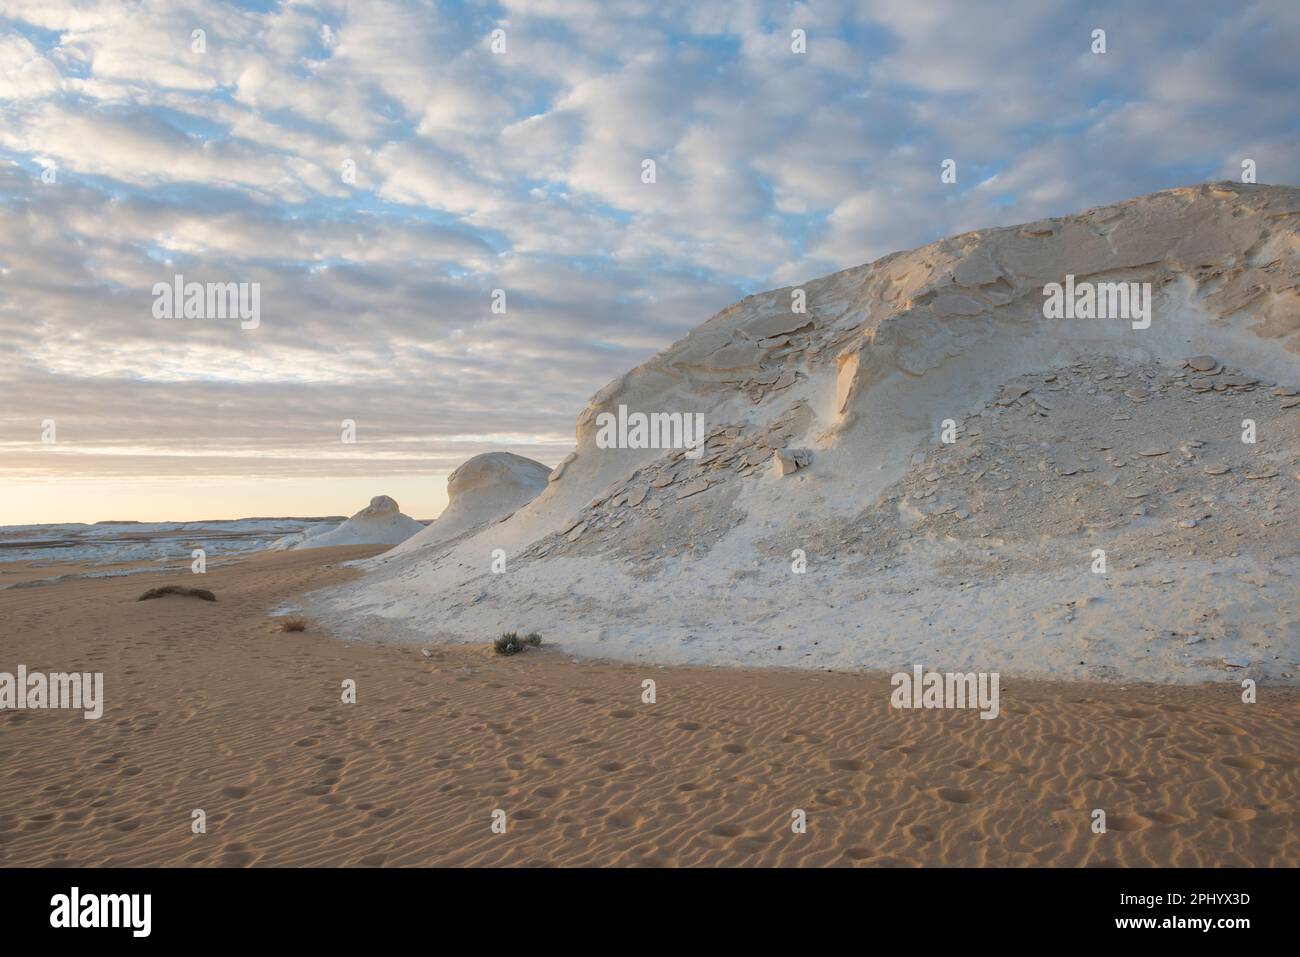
x=533 y=638
x=508 y=644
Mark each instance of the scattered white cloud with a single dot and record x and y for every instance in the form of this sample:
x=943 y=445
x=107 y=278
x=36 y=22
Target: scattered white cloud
x=379 y=170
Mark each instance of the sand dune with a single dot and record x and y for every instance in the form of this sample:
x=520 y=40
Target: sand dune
x=208 y=706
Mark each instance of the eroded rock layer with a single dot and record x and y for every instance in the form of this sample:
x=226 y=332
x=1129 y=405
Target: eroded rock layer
x=922 y=466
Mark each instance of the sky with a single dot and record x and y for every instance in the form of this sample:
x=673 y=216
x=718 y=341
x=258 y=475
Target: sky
x=385 y=173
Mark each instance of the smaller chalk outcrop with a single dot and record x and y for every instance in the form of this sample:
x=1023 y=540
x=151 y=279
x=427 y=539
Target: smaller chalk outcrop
x=379 y=523
x=485 y=489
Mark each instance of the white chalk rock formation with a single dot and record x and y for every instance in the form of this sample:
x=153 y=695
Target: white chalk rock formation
x=379 y=523
x=961 y=452
x=485 y=489
x=295 y=539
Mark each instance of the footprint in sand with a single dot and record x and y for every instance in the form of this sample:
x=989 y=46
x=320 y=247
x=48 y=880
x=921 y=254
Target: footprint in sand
x=609 y=767
x=1244 y=761
x=1235 y=813
x=235 y=791
x=998 y=767
x=734 y=748
x=956 y=795
x=922 y=832
x=1163 y=817
x=236 y=855
x=847 y=764
x=727 y=830
x=688 y=726
x=1226 y=730
x=1125 y=822
x=620 y=714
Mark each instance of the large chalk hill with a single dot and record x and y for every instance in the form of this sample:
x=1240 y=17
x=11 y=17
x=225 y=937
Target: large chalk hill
x=1097 y=514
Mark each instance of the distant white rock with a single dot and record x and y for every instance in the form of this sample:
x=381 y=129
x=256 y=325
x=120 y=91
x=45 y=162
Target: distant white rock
x=295 y=539
x=379 y=523
x=485 y=489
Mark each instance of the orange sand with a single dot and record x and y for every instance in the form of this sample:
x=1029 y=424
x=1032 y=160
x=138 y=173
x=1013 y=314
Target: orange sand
x=208 y=706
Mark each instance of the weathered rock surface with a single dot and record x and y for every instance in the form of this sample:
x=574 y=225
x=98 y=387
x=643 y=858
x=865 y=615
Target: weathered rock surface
x=485 y=489
x=1072 y=435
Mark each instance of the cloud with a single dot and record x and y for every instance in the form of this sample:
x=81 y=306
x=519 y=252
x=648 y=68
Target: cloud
x=379 y=171
x=24 y=73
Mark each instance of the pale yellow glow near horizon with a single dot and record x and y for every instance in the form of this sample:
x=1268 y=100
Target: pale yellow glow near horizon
x=186 y=500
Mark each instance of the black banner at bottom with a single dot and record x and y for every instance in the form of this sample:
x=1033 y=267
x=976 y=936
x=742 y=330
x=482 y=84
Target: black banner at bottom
x=216 y=906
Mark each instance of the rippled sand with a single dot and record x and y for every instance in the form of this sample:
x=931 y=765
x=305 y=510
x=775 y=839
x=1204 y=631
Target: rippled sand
x=208 y=707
